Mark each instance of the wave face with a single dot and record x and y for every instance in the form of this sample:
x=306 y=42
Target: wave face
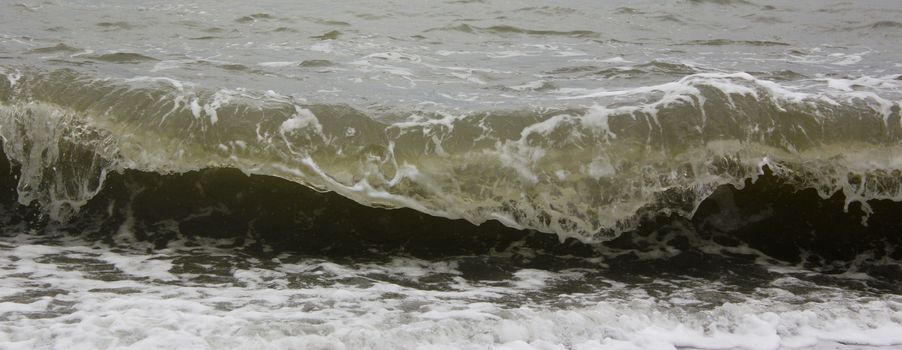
x=539 y=116
x=578 y=172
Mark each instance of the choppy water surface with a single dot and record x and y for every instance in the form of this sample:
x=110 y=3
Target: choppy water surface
x=692 y=174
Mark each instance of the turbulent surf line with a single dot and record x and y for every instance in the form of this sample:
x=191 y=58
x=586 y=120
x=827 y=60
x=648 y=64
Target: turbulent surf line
x=206 y=293
x=587 y=168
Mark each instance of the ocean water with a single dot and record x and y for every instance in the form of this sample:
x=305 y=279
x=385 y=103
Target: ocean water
x=698 y=174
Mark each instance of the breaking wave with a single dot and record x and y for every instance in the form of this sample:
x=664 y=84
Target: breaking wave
x=591 y=168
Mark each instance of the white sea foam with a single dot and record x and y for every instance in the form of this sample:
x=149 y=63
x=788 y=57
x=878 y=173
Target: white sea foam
x=317 y=303
x=302 y=118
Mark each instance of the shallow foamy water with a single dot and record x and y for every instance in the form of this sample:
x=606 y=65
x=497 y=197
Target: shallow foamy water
x=74 y=294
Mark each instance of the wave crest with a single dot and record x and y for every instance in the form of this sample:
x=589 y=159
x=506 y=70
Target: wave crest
x=583 y=172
